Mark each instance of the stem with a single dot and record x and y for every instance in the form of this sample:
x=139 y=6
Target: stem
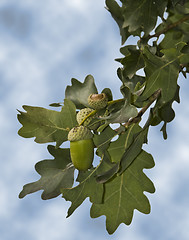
x=143 y=110
x=94 y=112
x=115 y=101
x=136 y=119
x=170 y=26
x=89 y=115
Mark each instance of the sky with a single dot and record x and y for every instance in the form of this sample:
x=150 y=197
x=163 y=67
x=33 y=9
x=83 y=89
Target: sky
x=43 y=44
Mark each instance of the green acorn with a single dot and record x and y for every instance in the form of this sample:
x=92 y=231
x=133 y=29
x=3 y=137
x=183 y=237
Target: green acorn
x=98 y=101
x=81 y=147
x=82 y=114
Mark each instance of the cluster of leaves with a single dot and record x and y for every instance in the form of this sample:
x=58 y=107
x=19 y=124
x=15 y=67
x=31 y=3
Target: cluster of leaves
x=116 y=185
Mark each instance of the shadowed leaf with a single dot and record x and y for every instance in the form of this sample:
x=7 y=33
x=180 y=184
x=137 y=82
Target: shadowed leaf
x=55 y=175
x=79 y=92
x=88 y=187
x=134 y=20
x=161 y=74
x=121 y=112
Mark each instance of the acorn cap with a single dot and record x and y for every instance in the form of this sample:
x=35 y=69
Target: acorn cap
x=98 y=101
x=79 y=133
x=82 y=114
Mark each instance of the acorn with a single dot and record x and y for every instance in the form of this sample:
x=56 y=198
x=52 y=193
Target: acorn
x=81 y=147
x=82 y=114
x=98 y=101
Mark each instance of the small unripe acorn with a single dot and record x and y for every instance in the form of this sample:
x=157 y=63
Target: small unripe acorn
x=97 y=101
x=82 y=114
x=81 y=147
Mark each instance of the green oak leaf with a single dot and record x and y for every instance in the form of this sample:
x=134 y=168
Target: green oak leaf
x=121 y=114
x=132 y=62
x=125 y=149
x=55 y=174
x=164 y=113
x=183 y=7
x=79 y=92
x=134 y=20
x=132 y=150
x=171 y=39
x=108 y=93
x=47 y=125
x=106 y=175
x=164 y=130
x=117 y=148
x=167 y=113
x=124 y=193
x=88 y=187
x=134 y=86
x=161 y=73
x=116 y=12
x=56 y=104
x=103 y=140
x=176 y=2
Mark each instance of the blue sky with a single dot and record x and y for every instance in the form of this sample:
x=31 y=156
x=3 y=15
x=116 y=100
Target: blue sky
x=43 y=44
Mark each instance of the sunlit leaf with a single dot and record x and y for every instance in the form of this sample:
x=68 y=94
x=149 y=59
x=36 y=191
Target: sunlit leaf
x=47 y=125
x=124 y=193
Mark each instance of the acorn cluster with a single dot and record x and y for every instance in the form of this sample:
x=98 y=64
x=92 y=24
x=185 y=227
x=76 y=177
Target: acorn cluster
x=80 y=137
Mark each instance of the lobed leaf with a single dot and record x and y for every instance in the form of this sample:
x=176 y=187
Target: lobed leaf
x=103 y=140
x=124 y=193
x=121 y=112
x=132 y=62
x=116 y=12
x=47 y=125
x=125 y=149
x=55 y=174
x=144 y=22
x=164 y=112
x=79 y=92
x=88 y=187
x=108 y=93
x=161 y=73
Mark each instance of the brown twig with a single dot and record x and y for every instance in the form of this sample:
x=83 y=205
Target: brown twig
x=170 y=26
x=143 y=110
x=136 y=119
